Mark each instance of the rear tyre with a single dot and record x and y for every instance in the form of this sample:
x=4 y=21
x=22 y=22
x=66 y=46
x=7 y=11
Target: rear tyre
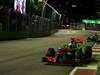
x=88 y=52
x=77 y=57
x=51 y=52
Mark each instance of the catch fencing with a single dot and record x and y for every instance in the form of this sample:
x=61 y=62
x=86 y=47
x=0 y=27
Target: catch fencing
x=18 y=23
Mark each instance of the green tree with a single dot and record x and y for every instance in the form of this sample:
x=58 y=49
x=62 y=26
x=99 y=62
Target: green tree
x=36 y=7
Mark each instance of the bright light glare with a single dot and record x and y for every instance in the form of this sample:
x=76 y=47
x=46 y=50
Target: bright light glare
x=91 y=21
x=74 y=6
x=40 y=0
x=98 y=22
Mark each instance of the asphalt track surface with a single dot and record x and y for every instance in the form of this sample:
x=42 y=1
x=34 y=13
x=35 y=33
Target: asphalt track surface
x=23 y=57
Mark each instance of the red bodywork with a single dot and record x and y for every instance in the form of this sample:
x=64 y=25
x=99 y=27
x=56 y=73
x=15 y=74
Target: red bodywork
x=49 y=59
x=52 y=59
x=78 y=40
x=61 y=53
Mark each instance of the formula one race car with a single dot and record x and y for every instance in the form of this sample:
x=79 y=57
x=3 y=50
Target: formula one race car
x=73 y=53
x=94 y=38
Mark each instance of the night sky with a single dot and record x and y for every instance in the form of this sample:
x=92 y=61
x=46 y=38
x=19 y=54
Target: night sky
x=74 y=10
x=77 y=6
